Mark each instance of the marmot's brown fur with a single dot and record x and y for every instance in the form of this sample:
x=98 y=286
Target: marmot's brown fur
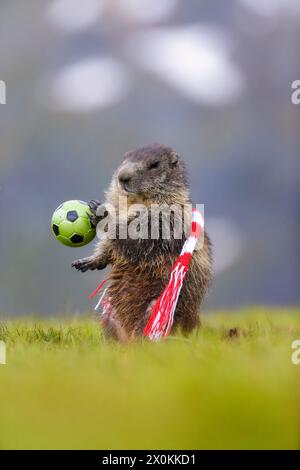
x=141 y=268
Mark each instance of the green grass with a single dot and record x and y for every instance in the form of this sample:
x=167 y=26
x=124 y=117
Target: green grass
x=64 y=386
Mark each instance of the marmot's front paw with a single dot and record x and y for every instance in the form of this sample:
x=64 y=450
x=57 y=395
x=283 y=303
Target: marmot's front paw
x=93 y=205
x=98 y=210
x=83 y=264
x=89 y=263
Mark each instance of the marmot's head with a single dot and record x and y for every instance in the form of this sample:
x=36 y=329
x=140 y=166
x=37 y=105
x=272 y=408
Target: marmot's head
x=152 y=173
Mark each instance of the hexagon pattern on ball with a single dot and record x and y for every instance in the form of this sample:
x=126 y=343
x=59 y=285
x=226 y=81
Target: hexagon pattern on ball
x=71 y=224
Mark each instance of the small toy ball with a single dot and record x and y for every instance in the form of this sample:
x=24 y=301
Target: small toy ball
x=71 y=224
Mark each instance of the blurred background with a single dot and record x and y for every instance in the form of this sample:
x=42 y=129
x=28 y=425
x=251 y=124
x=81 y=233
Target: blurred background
x=88 y=80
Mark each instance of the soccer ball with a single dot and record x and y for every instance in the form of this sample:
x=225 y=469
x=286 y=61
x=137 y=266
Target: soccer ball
x=71 y=224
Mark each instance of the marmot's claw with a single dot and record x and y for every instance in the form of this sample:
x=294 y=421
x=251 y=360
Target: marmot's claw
x=93 y=205
x=82 y=264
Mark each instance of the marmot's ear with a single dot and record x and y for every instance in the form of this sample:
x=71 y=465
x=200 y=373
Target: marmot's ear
x=174 y=159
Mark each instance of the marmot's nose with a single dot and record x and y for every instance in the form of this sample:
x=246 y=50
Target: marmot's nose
x=125 y=177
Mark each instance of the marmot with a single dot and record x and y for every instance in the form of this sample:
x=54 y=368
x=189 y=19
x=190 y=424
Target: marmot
x=153 y=174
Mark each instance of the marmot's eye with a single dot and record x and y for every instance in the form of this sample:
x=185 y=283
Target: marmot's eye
x=153 y=165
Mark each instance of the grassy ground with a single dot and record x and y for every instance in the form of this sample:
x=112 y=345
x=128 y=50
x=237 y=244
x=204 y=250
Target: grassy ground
x=64 y=387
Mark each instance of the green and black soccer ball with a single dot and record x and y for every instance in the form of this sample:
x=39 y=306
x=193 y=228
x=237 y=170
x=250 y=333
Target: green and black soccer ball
x=71 y=224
